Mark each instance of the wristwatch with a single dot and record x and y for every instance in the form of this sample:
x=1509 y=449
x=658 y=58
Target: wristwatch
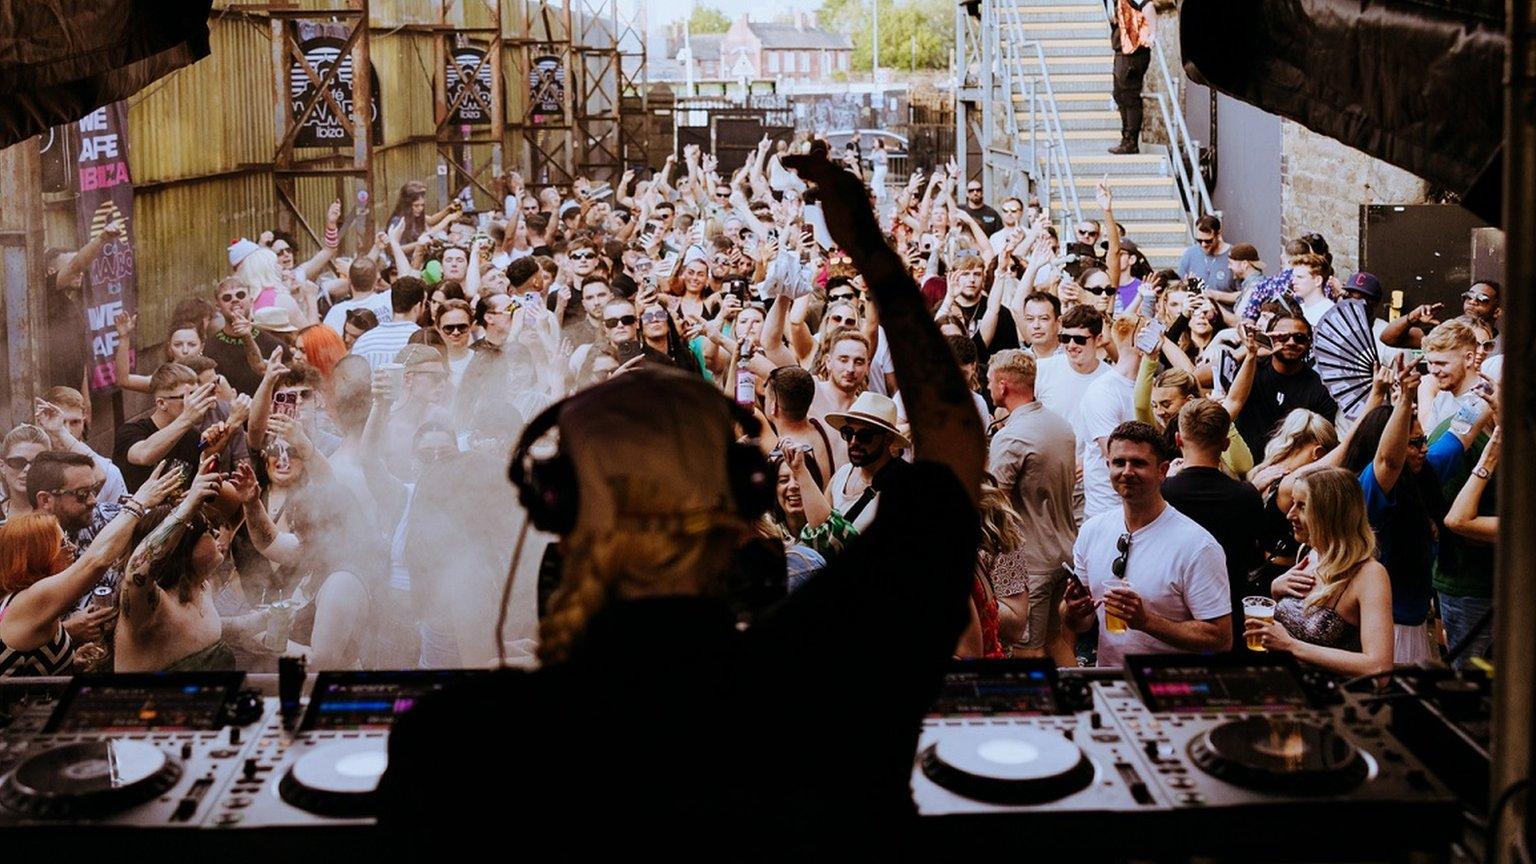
x=1480 y=471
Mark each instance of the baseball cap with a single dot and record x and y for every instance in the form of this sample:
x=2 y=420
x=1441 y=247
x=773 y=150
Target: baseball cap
x=1364 y=283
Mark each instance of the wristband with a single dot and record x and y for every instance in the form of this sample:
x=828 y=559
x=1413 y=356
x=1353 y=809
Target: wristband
x=332 y=237
x=133 y=508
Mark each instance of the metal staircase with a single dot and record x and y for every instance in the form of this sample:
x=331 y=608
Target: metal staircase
x=1157 y=194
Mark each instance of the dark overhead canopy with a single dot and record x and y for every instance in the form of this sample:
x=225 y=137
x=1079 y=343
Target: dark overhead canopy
x=62 y=59
x=1417 y=83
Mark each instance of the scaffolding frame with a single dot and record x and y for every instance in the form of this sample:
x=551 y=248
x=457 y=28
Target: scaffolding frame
x=635 y=122
x=455 y=144
x=598 y=90
x=287 y=167
x=548 y=157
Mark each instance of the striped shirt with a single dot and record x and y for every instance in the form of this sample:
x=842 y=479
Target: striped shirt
x=382 y=343
x=54 y=658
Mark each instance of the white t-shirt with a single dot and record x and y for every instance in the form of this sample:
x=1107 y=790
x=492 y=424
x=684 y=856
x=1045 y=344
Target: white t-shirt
x=379 y=303
x=879 y=365
x=456 y=367
x=1176 y=566
x=843 y=502
x=1107 y=403
x=1060 y=388
x=1315 y=310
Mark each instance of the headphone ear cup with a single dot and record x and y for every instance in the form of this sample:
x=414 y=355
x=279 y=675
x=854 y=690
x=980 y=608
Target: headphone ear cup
x=752 y=480
x=549 y=493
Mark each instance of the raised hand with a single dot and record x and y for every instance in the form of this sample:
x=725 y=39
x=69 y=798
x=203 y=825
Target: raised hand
x=244 y=481
x=1103 y=195
x=845 y=204
x=197 y=402
x=49 y=416
x=333 y=213
x=125 y=324
x=160 y=486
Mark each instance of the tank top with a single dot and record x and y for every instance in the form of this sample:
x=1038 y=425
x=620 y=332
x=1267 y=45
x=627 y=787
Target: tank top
x=54 y=658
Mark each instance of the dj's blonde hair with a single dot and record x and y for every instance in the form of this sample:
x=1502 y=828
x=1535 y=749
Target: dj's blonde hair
x=631 y=563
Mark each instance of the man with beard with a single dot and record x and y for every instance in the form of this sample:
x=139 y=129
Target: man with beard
x=1284 y=384
x=872 y=438
x=238 y=350
x=65 y=485
x=845 y=378
x=595 y=294
x=1481 y=301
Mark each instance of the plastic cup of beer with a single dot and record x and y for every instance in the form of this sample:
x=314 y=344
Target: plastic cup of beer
x=1114 y=623
x=1262 y=608
x=394 y=373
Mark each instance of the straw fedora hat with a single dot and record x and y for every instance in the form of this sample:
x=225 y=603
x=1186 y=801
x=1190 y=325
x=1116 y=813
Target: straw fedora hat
x=871 y=409
x=273 y=319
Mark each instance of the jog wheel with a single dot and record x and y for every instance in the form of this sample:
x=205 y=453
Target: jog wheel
x=1007 y=765
x=1278 y=755
x=89 y=780
x=338 y=780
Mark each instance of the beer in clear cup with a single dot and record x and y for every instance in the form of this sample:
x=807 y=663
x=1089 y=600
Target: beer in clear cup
x=1261 y=608
x=1114 y=623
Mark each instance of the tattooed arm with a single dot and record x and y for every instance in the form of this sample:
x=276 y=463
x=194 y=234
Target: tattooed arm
x=140 y=594
x=945 y=428
x=279 y=547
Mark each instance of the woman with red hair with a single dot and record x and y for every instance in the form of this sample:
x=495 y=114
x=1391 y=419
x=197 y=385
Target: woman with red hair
x=322 y=347
x=41 y=584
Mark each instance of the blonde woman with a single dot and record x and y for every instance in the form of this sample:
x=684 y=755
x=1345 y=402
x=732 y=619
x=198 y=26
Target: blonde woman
x=999 y=591
x=1334 y=608
x=1304 y=437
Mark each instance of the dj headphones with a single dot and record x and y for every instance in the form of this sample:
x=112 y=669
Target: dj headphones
x=549 y=488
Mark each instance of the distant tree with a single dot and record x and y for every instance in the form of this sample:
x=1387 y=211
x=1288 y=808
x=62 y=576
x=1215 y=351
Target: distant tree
x=916 y=33
x=708 y=19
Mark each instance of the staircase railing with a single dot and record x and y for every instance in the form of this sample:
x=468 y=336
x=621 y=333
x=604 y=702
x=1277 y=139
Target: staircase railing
x=1183 y=152
x=1029 y=77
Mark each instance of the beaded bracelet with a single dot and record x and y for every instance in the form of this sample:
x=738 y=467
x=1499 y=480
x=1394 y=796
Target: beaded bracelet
x=332 y=237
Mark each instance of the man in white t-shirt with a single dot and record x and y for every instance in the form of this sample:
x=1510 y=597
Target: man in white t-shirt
x=363 y=276
x=1178 y=599
x=1309 y=273
x=1062 y=378
x=1106 y=404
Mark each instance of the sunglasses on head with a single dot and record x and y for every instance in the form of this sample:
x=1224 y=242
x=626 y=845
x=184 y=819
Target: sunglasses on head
x=1123 y=546
x=621 y=321
x=865 y=435
x=455 y=328
x=230 y=298
x=18 y=463
x=1298 y=338
x=1073 y=338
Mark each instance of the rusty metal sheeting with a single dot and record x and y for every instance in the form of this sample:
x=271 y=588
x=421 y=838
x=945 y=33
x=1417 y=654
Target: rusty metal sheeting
x=212 y=117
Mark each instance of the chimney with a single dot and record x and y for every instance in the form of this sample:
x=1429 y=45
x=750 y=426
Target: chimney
x=800 y=21
x=810 y=20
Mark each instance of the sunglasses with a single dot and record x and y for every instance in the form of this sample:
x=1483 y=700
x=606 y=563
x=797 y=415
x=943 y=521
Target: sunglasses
x=1477 y=298
x=18 y=463
x=81 y=496
x=1123 y=546
x=974 y=191
x=843 y=259
x=1072 y=338
x=654 y=316
x=582 y=256
x=1297 y=338
x=839 y=297
x=722 y=193
x=280 y=249
x=1206 y=241
x=1418 y=442
x=866 y=435
x=621 y=321
x=1011 y=210
x=230 y=298
x=1104 y=291
x=1087 y=232
x=455 y=329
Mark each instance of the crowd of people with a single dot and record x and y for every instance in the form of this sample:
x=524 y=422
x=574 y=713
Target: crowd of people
x=322 y=466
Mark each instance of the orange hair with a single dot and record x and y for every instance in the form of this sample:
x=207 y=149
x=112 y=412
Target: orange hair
x=29 y=545
x=322 y=347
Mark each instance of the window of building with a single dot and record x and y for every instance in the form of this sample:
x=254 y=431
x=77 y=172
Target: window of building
x=773 y=62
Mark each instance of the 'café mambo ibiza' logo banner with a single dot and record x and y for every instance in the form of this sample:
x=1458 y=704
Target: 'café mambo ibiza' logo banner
x=100 y=157
x=321 y=44
x=466 y=70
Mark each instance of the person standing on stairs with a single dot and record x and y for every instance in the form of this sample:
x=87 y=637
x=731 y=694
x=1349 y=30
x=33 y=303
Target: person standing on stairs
x=1131 y=32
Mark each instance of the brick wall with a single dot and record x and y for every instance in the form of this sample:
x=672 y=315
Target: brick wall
x=1323 y=184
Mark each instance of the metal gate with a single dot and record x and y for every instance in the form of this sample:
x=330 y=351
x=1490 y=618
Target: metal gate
x=728 y=130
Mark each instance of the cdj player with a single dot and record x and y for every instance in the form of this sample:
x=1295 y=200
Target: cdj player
x=1183 y=754
x=84 y=762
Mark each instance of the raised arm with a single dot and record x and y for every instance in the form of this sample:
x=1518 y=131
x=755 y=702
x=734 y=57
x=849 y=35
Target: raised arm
x=140 y=595
x=125 y=324
x=279 y=547
x=310 y=270
x=1463 y=518
x=32 y=618
x=945 y=428
x=1106 y=199
x=193 y=408
x=1392 y=450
